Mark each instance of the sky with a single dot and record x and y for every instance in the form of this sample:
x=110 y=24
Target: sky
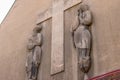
x=5 y=5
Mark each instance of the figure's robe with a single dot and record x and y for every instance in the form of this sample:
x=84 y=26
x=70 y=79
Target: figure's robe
x=34 y=56
x=82 y=38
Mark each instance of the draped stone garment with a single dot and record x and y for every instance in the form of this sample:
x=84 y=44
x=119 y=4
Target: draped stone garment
x=82 y=41
x=34 y=56
x=82 y=37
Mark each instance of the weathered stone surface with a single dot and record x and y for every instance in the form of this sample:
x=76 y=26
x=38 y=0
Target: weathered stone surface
x=44 y=70
x=57 y=21
x=70 y=52
x=57 y=53
x=70 y=3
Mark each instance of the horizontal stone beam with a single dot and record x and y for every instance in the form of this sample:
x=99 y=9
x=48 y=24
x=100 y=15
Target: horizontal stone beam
x=44 y=15
x=71 y=3
x=48 y=13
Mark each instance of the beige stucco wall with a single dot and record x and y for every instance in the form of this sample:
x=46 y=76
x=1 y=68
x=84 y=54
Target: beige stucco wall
x=18 y=25
x=14 y=32
x=106 y=35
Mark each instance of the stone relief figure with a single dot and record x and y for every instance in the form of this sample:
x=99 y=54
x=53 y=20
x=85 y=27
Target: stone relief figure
x=82 y=39
x=35 y=53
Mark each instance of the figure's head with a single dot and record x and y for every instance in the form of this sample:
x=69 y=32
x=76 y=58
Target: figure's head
x=83 y=7
x=37 y=30
x=84 y=15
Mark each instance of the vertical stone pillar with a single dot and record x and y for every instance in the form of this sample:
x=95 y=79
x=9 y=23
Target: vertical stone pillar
x=57 y=52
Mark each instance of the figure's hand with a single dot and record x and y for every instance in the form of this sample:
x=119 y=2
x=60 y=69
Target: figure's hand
x=30 y=44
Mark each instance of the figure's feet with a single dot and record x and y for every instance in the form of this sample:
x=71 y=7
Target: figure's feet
x=84 y=64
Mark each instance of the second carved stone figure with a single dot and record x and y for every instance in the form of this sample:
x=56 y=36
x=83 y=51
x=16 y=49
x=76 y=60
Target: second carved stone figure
x=82 y=38
x=35 y=53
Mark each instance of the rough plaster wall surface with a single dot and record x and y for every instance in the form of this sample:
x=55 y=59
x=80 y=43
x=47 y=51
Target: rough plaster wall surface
x=14 y=33
x=106 y=35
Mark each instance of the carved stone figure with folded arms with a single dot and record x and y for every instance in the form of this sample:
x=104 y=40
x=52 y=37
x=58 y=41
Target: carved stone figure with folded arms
x=82 y=39
x=35 y=54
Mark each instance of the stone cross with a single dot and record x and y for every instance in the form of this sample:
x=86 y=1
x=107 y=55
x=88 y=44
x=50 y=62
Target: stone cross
x=57 y=53
x=57 y=44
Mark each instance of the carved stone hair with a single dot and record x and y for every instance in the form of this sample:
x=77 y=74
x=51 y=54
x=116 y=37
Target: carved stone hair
x=37 y=29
